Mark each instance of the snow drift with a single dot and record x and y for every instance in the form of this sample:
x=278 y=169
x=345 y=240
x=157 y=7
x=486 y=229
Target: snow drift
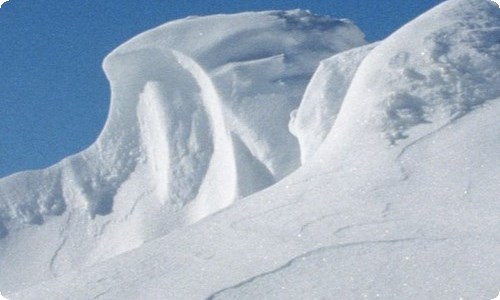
x=198 y=118
x=397 y=197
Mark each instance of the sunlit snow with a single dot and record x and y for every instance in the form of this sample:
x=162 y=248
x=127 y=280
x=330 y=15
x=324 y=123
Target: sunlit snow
x=276 y=155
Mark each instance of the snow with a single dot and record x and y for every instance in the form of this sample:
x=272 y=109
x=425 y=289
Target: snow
x=199 y=118
x=242 y=175
x=437 y=74
x=322 y=100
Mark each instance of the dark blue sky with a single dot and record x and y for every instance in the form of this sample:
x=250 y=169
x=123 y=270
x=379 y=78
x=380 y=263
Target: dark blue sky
x=54 y=97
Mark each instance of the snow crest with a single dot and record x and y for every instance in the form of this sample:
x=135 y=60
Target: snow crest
x=397 y=196
x=198 y=118
x=436 y=69
x=322 y=100
x=182 y=95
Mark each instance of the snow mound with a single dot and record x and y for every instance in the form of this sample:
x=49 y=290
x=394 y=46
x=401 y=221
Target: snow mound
x=397 y=196
x=436 y=69
x=198 y=118
x=400 y=201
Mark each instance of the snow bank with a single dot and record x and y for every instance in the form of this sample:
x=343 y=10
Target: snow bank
x=399 y=202
x=397 y=197
x=436 y=69
x=198 y=118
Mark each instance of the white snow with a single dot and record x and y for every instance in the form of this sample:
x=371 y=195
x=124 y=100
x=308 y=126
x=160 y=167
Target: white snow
x=199 y=118
x=194 y=189
x=322 y=100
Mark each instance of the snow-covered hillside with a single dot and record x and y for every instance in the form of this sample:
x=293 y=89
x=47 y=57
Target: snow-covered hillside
x=194 y=190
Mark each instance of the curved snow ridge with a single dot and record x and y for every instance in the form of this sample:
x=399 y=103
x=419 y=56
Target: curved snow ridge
x=245 y=82
x=180 y=94
x=219 y=181
x=322 y=100
x=259 y=78
x=435 y=69
x=182 y=130
x=241 y=84
x=198 y=118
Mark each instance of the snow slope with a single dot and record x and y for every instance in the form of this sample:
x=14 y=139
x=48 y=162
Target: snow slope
x=198 y=118
x=397 y=197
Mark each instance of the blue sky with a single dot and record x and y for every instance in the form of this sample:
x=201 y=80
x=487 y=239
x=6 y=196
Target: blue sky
x=54 y=97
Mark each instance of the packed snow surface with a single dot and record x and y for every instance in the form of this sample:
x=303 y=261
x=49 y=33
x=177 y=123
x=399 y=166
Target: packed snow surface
x=228 y=170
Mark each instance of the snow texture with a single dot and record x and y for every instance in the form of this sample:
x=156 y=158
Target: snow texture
x=228 y=170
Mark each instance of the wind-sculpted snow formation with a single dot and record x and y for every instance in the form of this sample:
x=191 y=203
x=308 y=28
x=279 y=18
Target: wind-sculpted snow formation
x=396 y=198
x=198 y=118
x=322 y=100
x=441 y=73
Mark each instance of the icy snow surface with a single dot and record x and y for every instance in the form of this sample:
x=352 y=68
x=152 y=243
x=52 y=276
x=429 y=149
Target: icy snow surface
x=396 y=198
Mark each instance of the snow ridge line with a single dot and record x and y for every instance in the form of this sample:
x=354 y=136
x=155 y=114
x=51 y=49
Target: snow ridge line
x=312 y=252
